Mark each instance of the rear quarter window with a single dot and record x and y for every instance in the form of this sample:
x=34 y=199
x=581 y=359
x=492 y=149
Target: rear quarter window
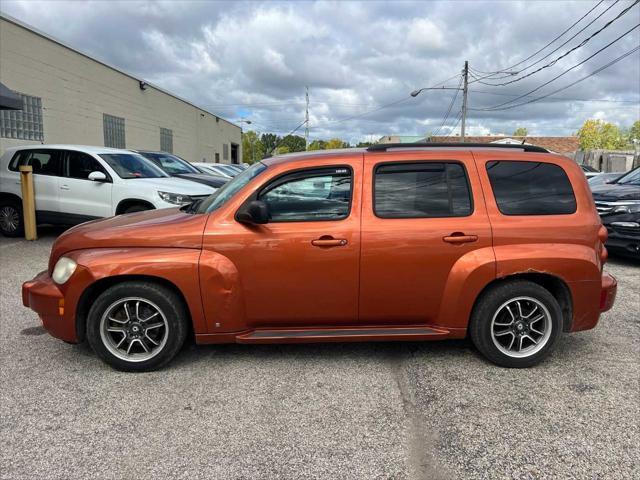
x=531 y=188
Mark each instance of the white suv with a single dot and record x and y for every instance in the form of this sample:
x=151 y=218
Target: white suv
x=74 y=184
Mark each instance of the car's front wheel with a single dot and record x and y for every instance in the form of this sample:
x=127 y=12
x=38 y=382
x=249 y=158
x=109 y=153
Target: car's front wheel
x=137 y=326
x=516 y=324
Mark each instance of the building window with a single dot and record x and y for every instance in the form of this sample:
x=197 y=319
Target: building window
x=225 y=151
x=166 y=140
x=113 y=131
x=25 y=124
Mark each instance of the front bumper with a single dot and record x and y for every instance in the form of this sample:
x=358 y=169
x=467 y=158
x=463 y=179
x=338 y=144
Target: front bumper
x=608 y=292
x=44 y=297
x=624 y=233
x=56 y=304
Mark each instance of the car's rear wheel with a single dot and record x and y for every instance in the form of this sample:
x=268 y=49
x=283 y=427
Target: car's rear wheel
x=516 y=324
x=137 y=326
x=11 y=220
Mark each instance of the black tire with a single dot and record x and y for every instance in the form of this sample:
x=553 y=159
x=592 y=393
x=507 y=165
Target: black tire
x=495 y=302
x=11 y=219
x=173 y=314
x=137 y=208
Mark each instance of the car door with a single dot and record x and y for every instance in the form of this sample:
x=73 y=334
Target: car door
x=46 y=166
x=424 y=212
x=302 y=267
x=80 y=198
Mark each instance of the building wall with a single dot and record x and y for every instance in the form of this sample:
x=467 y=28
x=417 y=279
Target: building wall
x=76 y=91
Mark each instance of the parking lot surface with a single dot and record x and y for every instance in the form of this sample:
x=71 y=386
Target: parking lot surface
x=388 y=411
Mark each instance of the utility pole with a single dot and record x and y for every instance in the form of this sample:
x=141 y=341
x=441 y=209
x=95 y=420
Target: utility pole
x=464 y=100
x=306 y=120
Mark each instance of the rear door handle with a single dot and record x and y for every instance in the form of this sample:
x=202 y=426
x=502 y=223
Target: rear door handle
x=327 y=241
x=458 y=237
x=64 y=187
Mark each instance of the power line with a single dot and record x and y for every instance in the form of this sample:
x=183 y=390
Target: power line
x=613 y=62
x=568 y=52
x=601 y=100
x=548 y=44
x=497 y=107
x=446 y=116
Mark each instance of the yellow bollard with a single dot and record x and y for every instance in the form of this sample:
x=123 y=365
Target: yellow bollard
x=28 y=202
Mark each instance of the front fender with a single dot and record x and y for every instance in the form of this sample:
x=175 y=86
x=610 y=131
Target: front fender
x=178 y=266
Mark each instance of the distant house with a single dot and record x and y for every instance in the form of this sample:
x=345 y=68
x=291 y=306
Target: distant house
x=401 y=139
x=562 y=145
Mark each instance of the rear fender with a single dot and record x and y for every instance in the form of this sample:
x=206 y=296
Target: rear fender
x=468 y=277
x=578 y=266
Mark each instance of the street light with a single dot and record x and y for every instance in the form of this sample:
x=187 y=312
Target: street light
x=415 y=93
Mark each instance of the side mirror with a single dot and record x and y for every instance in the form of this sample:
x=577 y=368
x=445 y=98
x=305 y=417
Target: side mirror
x=257 y=213
x=97 y=177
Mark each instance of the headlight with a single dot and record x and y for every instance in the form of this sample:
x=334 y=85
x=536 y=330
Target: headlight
x=63 y=270
x=630 y=207
x=175 y=198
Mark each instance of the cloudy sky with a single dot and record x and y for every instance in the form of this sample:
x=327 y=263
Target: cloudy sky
x=361 y=60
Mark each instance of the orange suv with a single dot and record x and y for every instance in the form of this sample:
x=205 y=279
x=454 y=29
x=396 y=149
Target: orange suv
x=500 y=243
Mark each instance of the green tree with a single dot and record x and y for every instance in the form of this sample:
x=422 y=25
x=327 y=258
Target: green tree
x=252 y=148
x=634 y=132
x=317 y=145
x=269 y=142
x=335 y=143
x=597 y=134
x=294 y=143
x=520 y=132
x=282 y=149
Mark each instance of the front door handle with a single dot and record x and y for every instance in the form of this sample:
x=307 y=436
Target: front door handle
x=64 y=187
x=328 y=241
x=459 y=237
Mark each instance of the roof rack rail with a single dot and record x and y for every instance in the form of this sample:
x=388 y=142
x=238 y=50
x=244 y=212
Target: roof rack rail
x=381 y=147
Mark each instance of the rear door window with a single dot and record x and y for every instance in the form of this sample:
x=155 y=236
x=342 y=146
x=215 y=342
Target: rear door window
x=421 y=190
x=531 y=188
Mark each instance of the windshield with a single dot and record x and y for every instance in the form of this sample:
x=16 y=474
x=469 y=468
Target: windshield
x=132 y=165
x=170 y=163
x=631 y=178
x=229 y=170
x=229 y=189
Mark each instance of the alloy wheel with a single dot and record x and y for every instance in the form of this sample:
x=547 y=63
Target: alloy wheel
x=134 y=329
x=521 y=327
x=9 y=219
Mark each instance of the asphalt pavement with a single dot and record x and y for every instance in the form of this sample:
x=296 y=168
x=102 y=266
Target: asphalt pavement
x=347 y=411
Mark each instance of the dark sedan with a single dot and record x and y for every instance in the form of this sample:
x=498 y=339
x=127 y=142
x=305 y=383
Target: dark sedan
x=618 y=204
x=177 y=167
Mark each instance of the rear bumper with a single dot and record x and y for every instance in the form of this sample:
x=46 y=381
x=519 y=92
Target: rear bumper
x=608 y=292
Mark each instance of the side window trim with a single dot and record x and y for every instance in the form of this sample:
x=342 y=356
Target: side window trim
x=424 y=163
x=299 y=174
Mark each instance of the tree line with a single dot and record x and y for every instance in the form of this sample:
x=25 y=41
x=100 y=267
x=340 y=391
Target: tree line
x=255 y=147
